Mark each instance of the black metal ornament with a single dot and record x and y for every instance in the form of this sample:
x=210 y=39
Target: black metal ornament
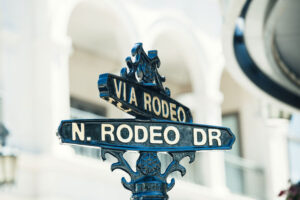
x=147 y=182
x=162 y=125
x=144 y=69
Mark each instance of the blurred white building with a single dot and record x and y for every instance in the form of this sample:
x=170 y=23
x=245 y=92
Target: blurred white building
x=52 y=53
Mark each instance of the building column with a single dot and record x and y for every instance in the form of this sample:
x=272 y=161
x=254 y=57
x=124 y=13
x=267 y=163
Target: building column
x=35 y=78
x=35 y=89
x=212 y=162
x=209 y=167
x=276 y=154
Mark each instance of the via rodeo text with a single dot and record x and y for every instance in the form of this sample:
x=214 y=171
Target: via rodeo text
x=140 y=101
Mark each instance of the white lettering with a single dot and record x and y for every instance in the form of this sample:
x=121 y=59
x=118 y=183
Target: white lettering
x=124 y=91
x=119 y=133
x=203 y=134
x=118 y=88
x=109 y=132
x=147 y=101
x=166 y=135
x=76 y=131
x=173 y=111
x=165 y=109
x=214 y=137
x=157 y=109
x=136 y=134
x=132 y=96
x=180 y=110
x=155 y=134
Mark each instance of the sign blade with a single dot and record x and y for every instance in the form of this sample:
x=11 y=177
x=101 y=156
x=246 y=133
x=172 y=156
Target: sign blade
x=143 y=135
x=146 y=102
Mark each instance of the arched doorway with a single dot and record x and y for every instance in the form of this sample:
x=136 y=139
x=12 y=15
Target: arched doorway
x=100 y=40
x=178 y=66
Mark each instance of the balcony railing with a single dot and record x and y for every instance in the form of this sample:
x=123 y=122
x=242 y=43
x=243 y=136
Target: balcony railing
x=245 y=177
x=294 y=151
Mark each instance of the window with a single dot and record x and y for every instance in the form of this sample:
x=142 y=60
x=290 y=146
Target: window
x=243 y=176
x=294 y=148
x=233 y=172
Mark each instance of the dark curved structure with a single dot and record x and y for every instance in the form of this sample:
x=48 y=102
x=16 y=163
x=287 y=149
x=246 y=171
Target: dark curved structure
x=253 y=72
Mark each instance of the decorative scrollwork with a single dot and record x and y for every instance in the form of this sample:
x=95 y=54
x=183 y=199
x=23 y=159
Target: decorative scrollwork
x=144 y=69
x=121 y=164
x=176 y=166
x=148 y=177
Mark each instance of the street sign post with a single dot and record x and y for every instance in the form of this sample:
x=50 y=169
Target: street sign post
x=162 y=125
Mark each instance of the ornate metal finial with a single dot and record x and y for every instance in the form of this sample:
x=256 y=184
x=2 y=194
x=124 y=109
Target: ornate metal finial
x=144 y=69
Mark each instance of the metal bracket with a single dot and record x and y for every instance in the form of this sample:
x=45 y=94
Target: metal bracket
x=147 y=182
